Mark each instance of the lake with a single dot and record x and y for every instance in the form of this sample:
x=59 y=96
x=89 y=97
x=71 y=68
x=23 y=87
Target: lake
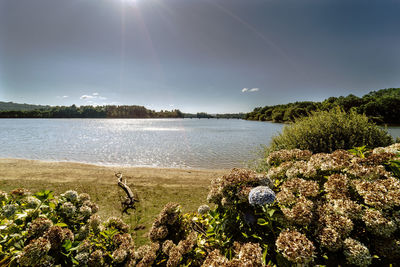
x=177 y=143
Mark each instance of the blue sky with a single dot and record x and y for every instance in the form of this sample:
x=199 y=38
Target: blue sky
x=196 y=55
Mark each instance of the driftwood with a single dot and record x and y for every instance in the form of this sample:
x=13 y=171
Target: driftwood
x=129 y=201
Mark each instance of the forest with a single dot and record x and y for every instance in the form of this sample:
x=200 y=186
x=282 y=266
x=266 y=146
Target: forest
x=382 y=107
x=73 y=111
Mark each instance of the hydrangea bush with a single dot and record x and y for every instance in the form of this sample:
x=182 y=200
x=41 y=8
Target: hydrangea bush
x=43 y=230
x=341 y=208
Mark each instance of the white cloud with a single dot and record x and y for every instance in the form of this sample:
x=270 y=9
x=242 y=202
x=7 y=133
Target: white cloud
x=65 y=96
x=87 y=97
x=244 y=90
x=92 y=96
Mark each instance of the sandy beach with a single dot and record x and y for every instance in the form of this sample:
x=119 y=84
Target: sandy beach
x=19 y=170
x=154 y=186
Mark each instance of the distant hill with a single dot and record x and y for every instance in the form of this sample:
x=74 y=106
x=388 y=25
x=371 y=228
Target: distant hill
x=382 y=106
x=7 y=106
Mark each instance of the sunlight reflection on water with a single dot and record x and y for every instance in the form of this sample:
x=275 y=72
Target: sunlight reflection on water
x=176 y=143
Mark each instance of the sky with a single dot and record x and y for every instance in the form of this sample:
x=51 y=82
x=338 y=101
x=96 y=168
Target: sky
x=216 y=56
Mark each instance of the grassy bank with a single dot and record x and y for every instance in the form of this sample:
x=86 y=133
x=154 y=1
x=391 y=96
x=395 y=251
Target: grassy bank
x=155 y=186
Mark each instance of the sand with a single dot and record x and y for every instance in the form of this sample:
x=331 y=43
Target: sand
x=70 y=172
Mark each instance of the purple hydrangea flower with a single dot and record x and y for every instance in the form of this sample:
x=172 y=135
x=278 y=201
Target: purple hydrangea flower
x=261 y=195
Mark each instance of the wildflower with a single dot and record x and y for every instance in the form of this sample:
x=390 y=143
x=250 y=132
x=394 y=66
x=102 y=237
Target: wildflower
x=119 y=255
x=158 y=233
x=82 y=258
x=9 y=210
x=174 y=257
x=328 y=217
x=250 y=254
x=169 y=214
x=68 y=234
x=380 y=194
x=303 y=187
x=71 y=196
x=149 y=255
x=301 y=212
x=96 y=258
x=377 y=158
x=295 y=246
x=203 y=209
x=117 y=223
x=68 y=209
x=297 y=186
x=280 y=171
x=356 y=253
x=85 y=211
x=337 y=186
x=83 y=197
x=185 y=246
x=227 y=186
x=330 y=239
x=93 y=206
x=378 y=224
x=55 y=235
x=94 y=222
x=395 y=149
x=32 y=202
x=38 y=227
x=123 y=240
x=34 y=252
x=83 y=232
x=277 y=157
x=215 y=259
x=261 y=195
x=301 y=168
x=346 y=207
x=167 y=246
x=243 y=194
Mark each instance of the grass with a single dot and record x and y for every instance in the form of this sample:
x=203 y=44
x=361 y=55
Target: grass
x=154 y=187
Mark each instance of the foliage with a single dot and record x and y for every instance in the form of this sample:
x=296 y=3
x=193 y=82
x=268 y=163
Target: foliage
x=44 y=230
x=379 y=106
x=326 y=131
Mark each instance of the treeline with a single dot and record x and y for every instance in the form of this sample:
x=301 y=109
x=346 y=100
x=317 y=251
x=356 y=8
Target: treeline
x=203 y=115
x=381 y=106
x=91 y=112
x=6 y=106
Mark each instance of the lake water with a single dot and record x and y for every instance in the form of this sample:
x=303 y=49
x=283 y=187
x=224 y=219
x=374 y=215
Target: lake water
x=180 y=143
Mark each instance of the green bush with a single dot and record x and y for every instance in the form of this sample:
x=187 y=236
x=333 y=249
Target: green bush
x=327 y=131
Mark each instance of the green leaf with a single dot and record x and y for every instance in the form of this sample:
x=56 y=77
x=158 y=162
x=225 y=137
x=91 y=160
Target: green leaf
x=262 y=221
x=67 y=245
x=271 y=212
x=61 y=224
x=264 y=255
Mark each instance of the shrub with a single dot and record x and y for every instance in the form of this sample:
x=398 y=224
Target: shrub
x=45 y=230
x=327 y=131
x=332 y=209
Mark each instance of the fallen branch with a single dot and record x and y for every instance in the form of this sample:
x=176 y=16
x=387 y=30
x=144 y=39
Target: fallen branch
x=129 y=201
